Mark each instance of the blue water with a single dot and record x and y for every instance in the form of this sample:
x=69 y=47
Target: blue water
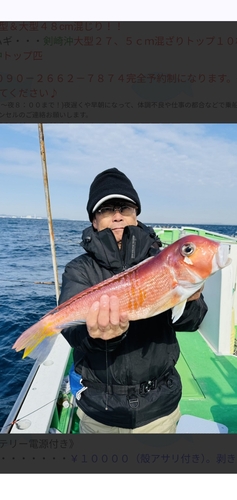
x=25 y=259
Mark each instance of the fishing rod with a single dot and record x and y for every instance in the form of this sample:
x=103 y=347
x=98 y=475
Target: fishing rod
x=48 y=207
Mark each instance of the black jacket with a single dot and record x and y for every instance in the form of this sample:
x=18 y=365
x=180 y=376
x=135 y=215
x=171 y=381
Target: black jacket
x=131 y=380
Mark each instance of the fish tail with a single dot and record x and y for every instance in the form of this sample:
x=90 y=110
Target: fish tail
x=39 y=333
x=41 y=351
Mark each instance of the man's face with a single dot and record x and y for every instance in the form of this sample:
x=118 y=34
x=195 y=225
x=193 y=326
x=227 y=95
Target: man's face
x=114 y=219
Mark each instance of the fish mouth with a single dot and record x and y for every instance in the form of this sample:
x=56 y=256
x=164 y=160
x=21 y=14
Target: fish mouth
x=222 y=256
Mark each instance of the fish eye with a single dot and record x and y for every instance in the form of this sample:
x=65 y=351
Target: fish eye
x=187 y=249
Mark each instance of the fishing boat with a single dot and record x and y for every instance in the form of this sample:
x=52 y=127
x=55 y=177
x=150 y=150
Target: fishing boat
x=207 y=365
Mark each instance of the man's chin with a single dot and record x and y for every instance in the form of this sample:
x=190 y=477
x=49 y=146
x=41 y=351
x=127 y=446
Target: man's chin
x=118 y=233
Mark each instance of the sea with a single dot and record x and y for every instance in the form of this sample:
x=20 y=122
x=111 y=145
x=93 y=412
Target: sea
x=27 y=289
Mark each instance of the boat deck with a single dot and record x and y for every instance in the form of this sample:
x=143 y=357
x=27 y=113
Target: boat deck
x=209 y=381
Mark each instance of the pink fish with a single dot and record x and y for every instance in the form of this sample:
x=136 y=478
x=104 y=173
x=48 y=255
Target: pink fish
x=162 y=282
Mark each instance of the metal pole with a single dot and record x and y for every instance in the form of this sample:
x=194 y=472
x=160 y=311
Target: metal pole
x=47 y=198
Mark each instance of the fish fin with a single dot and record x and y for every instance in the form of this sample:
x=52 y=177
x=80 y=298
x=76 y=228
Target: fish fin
x=178 y=310
x=42 y=350
x=71 y=323
x=33 y=336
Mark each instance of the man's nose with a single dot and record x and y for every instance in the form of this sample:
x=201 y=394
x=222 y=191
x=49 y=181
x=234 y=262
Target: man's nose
x=117 y=213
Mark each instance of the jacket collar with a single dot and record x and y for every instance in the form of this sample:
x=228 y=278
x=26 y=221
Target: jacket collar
x=138 y=243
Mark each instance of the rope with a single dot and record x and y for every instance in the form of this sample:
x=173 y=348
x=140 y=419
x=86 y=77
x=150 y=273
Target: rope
x=37 y=409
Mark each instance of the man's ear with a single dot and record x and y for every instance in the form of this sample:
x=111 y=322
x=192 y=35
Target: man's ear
x=94 y=223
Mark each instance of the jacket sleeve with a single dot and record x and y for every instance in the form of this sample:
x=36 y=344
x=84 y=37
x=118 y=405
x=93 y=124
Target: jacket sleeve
x=192 y=316
x=74 y=280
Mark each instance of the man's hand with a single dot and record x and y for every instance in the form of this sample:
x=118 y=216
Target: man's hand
x=104 y=319
x=196 y=295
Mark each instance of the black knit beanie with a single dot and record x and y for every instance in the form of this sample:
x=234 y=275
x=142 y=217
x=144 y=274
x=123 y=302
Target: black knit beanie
x=110 y=184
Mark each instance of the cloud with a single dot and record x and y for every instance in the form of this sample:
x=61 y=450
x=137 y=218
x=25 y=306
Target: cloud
x=176 y=167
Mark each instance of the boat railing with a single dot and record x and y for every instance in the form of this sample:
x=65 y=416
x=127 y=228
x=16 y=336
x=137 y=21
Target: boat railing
x=35 y=405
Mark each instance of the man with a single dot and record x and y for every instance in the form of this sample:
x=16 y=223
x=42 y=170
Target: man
x=128 y=369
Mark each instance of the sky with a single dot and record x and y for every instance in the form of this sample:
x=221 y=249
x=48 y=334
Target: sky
x=183 y=173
